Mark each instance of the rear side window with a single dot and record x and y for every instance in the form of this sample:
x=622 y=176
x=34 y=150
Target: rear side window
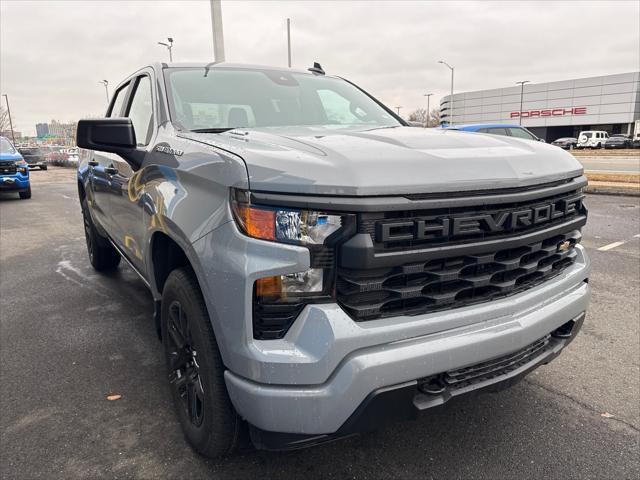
x=120 y=95
x=521 y=133
x=587 y=134
x=141 y=111
x=497 y=131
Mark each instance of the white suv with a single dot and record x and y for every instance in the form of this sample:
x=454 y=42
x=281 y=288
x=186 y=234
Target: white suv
x=592 y=139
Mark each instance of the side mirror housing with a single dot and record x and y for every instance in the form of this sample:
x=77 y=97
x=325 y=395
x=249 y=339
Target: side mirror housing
x=113 y=135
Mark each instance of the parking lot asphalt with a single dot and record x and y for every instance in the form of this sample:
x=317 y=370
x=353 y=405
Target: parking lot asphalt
x=601 y=163
x=69 y=337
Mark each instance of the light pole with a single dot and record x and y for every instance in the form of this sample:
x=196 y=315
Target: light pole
x=106 y=88
x=289 y=41
x=451 y=97
x=428 y=115
x=398 y=108
x=13 y=137
x=169 y=47
x=216 y=29
x=521 y=97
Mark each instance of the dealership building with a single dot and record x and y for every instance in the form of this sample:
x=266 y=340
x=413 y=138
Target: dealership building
x=555 y=109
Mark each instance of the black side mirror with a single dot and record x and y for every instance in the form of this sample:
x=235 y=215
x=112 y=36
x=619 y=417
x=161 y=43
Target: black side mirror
x=113 y=135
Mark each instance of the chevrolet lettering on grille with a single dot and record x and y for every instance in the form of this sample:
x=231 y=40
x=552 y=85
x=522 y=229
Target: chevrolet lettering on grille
x=477 y=224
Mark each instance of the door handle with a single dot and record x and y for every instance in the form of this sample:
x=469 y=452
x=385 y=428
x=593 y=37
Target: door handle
x=93 y=163
x=111 y=170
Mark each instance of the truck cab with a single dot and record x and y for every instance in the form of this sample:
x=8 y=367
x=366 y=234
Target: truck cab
x=14 y=171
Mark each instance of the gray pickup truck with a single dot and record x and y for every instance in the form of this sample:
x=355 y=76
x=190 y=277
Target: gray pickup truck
x=319 y=267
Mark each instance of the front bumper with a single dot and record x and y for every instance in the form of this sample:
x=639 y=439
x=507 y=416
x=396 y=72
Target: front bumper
x=405 y=401
x=312 y=380
x=16 y=182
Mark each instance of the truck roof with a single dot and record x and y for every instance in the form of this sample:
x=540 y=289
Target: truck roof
x=213 y=65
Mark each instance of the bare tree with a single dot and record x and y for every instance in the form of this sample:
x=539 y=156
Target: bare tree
x=4 y=120
x=418 y=115
x=434 y=118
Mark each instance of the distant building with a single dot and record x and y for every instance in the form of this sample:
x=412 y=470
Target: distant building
x=555 y=109
x=42 y=130
x=64 y=133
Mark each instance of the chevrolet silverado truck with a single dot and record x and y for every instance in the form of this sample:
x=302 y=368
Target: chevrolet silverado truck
x=318 y=267
x=14 y=171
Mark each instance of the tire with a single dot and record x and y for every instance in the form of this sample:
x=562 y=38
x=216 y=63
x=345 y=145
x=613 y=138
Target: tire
x=102 y=255
x=43 y=167
x=196 y=372
x=26 y=194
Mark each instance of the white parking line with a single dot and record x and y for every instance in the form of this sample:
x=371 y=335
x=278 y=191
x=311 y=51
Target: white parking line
x=636 y=236
x=610 y=246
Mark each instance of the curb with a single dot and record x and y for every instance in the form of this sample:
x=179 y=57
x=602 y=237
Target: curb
x=621 y=190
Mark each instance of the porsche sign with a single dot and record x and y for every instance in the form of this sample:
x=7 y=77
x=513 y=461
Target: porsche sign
x=550 y=112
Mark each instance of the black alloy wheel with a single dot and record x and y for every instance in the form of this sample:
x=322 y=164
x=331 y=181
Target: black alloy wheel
x=195 y=368
x=183 y=363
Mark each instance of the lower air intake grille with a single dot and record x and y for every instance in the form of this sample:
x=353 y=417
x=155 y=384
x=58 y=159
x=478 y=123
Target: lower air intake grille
x=494 y=368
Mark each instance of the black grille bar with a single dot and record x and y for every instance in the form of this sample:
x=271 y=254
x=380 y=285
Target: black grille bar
x=422 y=287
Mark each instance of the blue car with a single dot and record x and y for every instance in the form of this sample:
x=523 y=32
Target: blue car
x=504 y=129
x=14 y=171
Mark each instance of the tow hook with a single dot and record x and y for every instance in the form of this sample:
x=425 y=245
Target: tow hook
x=432 y=385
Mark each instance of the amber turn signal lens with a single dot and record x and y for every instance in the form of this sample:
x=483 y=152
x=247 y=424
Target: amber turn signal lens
x=257 y=223
x=269 y=287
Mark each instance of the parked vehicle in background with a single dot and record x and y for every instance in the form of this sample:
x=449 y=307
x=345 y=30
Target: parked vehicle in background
x=592 y=139
x=504 y=129
x=317 y=266
x=14 y=171
x=72 y=155
x=57 y=158
x=619 y=140
x=34 y=156
x=636 y=135
x=565 y=142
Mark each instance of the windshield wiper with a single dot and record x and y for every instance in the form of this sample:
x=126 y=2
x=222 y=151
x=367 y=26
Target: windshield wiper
x=212 y=130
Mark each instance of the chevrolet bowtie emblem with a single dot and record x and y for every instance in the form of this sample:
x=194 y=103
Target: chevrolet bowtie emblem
x=564 y=246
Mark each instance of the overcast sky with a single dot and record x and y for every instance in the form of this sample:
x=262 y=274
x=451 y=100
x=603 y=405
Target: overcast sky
x=52 y=54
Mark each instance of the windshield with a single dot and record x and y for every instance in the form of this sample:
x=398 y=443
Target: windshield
x=6 y=147
x=224 y=98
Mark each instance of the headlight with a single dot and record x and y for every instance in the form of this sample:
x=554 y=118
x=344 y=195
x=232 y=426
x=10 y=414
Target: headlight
x=279 y=299
x=303 y=227
x=22 y=167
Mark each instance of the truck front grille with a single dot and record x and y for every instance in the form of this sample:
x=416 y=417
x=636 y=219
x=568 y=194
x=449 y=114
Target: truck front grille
x=7 y=168
x=423 y=287
x=458 y=251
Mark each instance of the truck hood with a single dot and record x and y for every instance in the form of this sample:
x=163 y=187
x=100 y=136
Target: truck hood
x=388 y=161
